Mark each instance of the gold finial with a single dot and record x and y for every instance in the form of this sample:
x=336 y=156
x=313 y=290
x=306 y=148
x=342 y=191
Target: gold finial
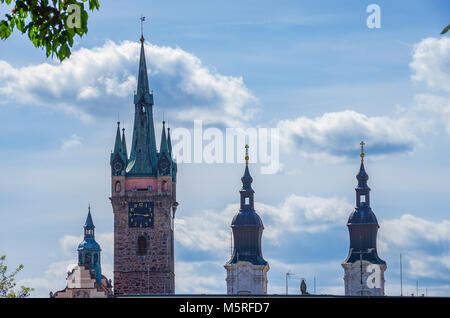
x=246 y=155
x=362 y=150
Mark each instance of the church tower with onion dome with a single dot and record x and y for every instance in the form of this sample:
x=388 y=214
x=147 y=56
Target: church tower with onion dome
x=247 y=269
x=364 y=269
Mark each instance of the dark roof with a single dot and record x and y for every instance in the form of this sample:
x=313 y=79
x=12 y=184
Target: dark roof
x=253 y=259
x=369 y=255
x=89 y=223
x=247 y=218
x=363 y=215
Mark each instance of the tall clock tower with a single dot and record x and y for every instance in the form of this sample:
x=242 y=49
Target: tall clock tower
x=143 y=197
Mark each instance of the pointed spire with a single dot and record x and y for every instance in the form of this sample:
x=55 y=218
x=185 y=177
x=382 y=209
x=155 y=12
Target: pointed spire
x=164 y=147
x=118 y=143
x=142 y=88
x=169 y=141
x=362 y=151
x=247 y=178
x=362 y=175
x=143 y=155
x=124 y=145
x=89 y=224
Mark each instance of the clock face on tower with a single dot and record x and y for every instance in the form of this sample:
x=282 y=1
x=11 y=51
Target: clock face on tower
x=117 y=166
x=140 y=214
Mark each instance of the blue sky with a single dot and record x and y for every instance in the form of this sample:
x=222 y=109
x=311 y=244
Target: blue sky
x=312 y=69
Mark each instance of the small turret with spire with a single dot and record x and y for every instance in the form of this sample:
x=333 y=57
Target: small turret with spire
x=89 y=250
x=363 y=227
x=247 y=228
x=119 y=158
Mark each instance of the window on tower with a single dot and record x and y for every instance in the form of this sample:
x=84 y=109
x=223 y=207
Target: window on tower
x=142 y=245
x=118 y=186
x=362 y=198
x=247 y=200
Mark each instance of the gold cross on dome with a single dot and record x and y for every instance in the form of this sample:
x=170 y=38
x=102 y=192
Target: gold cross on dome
x=362 y=150
x=246 y=154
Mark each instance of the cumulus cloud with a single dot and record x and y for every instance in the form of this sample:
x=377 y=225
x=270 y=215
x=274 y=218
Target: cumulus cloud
x=335 y=136
x=339 y=133
x=412 y=231
x=101 y=80
x=423 y=243
x=431 y=63
x=200 y=278
x=434 y=112
x=210 y=230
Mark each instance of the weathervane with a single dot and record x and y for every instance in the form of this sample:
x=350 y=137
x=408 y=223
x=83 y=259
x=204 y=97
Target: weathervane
x=142 y=27
x=362 y=151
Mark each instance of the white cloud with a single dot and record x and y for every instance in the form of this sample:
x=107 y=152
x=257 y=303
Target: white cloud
x=434 y=112
x=335 y=136
x=99 y=81
x=200 y=278
x=413 y=231
x=69 y=244
x=431 y=63
x=301 y=214
x=338 y=135
x=210 y=230
x=206 y=231
x=423 y=244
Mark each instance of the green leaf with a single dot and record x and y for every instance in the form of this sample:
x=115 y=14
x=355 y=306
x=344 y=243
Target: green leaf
x=446 y=29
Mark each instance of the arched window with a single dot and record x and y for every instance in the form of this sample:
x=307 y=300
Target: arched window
x=118 y=186
x=164 y=185
x=142 y=245
x=95 y=259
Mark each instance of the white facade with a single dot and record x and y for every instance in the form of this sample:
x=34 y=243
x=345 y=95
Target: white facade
x=80 y=284
x=244 y=278
x=372 y=279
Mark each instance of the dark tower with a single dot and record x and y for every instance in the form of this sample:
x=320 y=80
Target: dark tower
x=247 y=269
x=143 y=196
x=363 y=227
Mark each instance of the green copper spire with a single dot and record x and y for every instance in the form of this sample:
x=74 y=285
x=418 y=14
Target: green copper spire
x=164 y=148
x=143 y=156
x=169 y=141
x=118 y=143
x=118 y=157
x=142 y=87
x=124 y=146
